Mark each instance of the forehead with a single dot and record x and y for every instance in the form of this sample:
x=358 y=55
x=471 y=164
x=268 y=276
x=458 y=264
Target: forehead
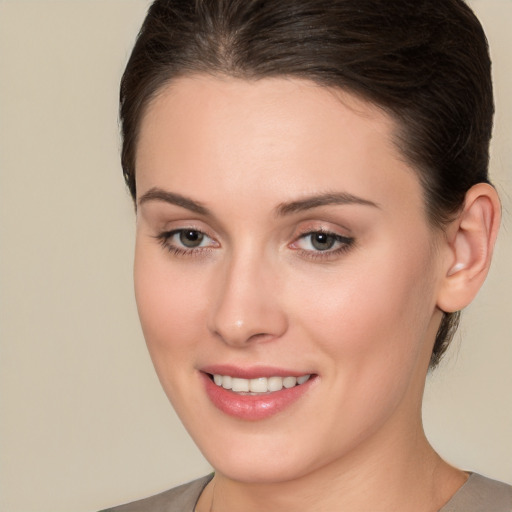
x=276 y=135
x=263 y=108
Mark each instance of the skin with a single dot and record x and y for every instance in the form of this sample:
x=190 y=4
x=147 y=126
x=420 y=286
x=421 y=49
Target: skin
x=256 y=292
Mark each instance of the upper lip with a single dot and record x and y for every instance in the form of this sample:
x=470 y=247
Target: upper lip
x=251 y=372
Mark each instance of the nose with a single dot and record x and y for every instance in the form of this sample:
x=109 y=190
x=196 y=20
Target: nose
x=246 y=308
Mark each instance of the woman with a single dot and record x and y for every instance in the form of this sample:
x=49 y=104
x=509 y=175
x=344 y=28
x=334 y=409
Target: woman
x=313 y=211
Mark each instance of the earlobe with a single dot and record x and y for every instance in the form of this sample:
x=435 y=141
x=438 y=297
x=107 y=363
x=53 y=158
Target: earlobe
x=470 y=240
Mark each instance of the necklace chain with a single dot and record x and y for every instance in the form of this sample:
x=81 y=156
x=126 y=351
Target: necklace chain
x=213 y=496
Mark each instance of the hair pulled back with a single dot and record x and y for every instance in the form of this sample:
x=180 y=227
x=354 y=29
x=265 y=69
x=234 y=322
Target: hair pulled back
x=425 y=62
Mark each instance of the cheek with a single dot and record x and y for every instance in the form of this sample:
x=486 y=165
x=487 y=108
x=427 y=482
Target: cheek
x=372 y=317
x=170 y=303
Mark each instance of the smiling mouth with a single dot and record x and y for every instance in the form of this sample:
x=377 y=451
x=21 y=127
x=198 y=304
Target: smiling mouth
x=259 y=385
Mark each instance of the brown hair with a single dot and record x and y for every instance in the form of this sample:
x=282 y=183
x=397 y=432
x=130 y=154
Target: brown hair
x=425 y=62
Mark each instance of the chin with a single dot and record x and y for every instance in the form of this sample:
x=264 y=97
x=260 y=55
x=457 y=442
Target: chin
x=267 y=470
x=266 y=456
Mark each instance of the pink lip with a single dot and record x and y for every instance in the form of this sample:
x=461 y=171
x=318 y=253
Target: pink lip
x=253 y=407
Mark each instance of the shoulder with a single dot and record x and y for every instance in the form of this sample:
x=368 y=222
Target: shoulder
x=481 y=494
x=179 y=499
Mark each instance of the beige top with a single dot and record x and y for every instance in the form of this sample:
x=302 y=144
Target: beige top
x=478 y=494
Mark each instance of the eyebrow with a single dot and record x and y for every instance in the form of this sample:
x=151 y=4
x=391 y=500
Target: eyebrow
x=341 y=198
x=158 y=194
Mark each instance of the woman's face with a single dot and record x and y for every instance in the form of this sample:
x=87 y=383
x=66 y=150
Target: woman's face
x=281 y=235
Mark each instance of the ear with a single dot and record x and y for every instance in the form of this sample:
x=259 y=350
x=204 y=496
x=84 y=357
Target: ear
x=470 y=242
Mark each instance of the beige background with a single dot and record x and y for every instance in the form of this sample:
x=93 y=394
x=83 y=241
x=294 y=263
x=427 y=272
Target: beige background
x=84 y=423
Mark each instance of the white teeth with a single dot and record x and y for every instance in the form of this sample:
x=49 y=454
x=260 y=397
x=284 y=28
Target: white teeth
x=260 y=384
x=289 y=382
x=275 y=383
x=304 y=378
x=239 y=385
x=226 y=381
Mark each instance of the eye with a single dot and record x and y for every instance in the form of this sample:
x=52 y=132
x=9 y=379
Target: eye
x=191 y=238
x=186 y=241
x=322 y=241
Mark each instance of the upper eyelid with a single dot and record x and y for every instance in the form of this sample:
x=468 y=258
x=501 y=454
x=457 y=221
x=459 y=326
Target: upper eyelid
x=324 y=224
x=337 y=236
x=323 y=230
x=170 y=225
x=161 y=216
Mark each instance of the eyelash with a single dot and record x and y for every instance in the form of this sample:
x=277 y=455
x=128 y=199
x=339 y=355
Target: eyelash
x=166 y=237
x=346 y=243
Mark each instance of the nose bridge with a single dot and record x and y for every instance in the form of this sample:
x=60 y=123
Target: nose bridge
x=246 y=307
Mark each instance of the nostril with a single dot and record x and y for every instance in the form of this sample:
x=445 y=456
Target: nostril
x=259 y=336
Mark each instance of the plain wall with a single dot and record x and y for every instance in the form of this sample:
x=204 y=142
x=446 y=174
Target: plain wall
x=84 y=423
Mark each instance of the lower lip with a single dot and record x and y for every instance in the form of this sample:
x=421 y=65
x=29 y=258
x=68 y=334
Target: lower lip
x=253 y=407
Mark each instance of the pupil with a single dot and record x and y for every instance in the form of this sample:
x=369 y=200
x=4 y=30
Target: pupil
x=322 y=241
x=191 y=238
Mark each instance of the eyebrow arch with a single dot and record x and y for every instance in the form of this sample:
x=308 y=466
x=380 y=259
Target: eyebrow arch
x=307 y=203
x=158 y=194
